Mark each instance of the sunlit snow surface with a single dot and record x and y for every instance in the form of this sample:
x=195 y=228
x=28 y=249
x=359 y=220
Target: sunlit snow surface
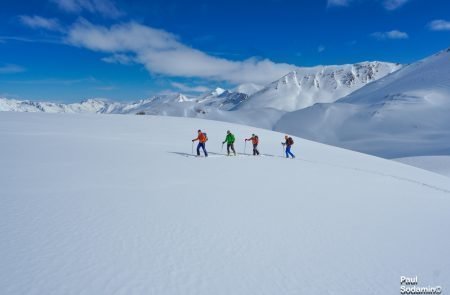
x=108 y=204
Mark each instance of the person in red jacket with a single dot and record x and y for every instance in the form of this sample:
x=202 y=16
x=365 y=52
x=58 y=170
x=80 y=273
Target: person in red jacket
x=202 y=138
x=255 y=141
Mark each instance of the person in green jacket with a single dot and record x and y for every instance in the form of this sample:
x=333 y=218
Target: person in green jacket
x=230 y=142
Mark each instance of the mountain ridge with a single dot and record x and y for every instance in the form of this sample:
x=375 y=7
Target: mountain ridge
x=222 y=99
x=323 y=84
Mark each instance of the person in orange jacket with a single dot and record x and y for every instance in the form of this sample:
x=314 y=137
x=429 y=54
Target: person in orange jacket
x=202 y=138
x=255 y=141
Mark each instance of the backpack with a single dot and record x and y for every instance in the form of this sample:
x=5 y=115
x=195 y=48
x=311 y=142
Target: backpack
x=290 y=141
x=256 y=139
x=206 y=137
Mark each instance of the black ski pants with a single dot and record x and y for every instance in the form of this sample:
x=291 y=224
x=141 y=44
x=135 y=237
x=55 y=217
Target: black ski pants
x=255 y=150
x=230 y=145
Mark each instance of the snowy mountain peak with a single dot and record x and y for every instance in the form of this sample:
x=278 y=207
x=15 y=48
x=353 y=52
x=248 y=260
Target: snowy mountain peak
x=445 y=51
x=290 y=78
x=95 y=102
x=248 y=88
x=181 y=98
x=218 y=91
x=431 y=73
x=306 y=86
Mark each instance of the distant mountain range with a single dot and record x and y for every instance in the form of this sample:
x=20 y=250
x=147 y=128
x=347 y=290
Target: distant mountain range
x=294 y=91
x=379 y=108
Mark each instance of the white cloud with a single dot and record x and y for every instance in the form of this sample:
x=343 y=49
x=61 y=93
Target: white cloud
x=53 y=40
x=122 y=59
x=11 y=69
x=38 y=22
x=321 y=49
x=104 y=7
x=187 y=88
x=387 y=4
x=162 y=53
x=394 y=4
x=439 y=25
x=394 y=34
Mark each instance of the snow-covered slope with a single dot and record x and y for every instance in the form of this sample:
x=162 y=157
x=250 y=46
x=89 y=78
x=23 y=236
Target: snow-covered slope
x=105 y=204
x=248 y=88
x=307 y=86
x=438 y=164
x=403 y=114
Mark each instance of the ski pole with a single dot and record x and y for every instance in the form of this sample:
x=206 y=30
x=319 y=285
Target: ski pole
x=245 y=147
x=192 y=149
x=221 y=150
x=282 y=146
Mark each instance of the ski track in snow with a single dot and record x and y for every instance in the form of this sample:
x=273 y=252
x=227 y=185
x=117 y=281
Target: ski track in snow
x=212 y=155
x=439 y=164
x=380 y=174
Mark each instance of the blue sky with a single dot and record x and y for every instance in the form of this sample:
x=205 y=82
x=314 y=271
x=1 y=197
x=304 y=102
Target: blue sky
x=68 y=50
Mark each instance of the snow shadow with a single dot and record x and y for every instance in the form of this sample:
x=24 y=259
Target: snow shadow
x=213 y=154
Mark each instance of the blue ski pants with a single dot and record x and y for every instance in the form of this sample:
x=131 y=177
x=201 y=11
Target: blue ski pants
x=288 y=152
x=201 y=145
